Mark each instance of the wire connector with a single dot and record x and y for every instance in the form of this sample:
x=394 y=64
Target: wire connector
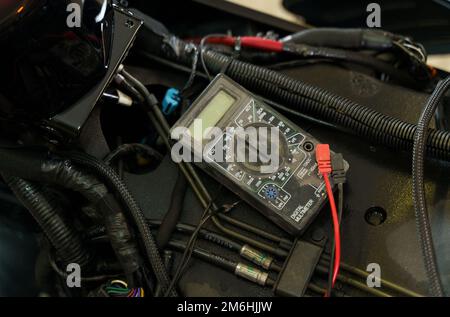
x=171 y=101
x=256 y=256
x=338 y=166
x=323 y=158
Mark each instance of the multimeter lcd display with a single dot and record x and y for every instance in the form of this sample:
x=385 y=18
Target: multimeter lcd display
x=213 y=112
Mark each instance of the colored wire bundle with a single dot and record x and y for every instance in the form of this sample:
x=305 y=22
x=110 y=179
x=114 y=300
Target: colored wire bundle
x=119 y=288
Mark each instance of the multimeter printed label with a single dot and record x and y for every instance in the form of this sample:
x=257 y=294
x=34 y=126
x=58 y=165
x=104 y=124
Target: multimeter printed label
x=300 y=211
x=275 y=195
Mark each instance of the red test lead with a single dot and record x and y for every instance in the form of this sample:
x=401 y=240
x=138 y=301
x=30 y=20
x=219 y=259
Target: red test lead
x=323 y=158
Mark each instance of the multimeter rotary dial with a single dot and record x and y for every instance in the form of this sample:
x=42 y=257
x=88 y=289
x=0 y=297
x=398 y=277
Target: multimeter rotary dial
x=267 y=147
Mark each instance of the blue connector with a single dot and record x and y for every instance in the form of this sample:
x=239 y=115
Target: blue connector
x=171 y=101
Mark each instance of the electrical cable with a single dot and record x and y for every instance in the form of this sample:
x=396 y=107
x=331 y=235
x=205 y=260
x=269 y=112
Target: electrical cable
x=346 y=280
x=303 y=116
x=248 y=272
x=192 y=49
x=203 y=233
x=120 y=169
x=189 y=249
x=207 y=256
x=245 y=251
x=129 y=148
x=87 y=279
x=168 y=261
x=325 y=261
x=173 y=214
x=254 y=42
x=317 y=289
x=231 y=266
x=326 y=106
x=419 y=198
x=347 y=38
x=119 y=288
x=259 y=232
x=170 y=64
x=307 y=51
x=337 y=238
x=352 y=282
x=276 y=105
x=323 y=158
x=333 y=244
x=163 y=129
x=255 y=243
x=201 y=52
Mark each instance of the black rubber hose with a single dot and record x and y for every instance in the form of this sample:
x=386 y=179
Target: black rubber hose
x=65 y=174
x=109 y=176
x=420 y=205
x=22 y=163
x=173 y=214
x=346 y=56
x=342 y=38
x=50 y=217
x=327 y=106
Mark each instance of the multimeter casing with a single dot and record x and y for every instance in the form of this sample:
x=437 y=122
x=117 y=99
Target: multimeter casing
x=291 y=196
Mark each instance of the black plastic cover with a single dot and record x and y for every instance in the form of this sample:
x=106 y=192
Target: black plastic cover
x=298 y=269
x=46 y=62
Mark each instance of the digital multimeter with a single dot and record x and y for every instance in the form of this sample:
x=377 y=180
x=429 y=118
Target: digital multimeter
x=292 y=193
